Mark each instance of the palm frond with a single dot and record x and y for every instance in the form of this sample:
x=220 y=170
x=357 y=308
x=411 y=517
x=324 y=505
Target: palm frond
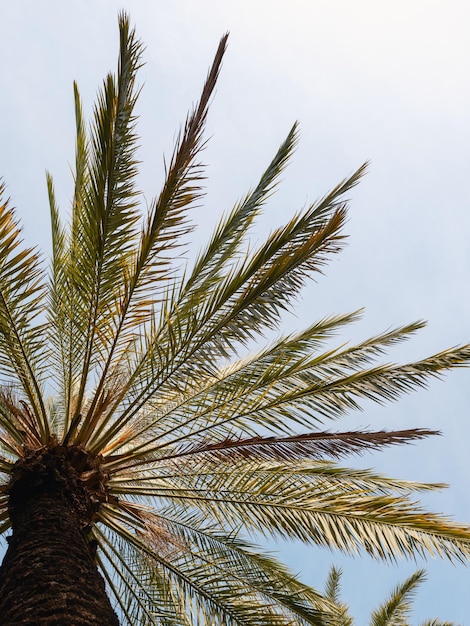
x=437 y=622
x=397 y=608
x=139 y=601
x=315 y=502
x=23 y=350
x=287 y=394
x=395 y=611
x=68 y=313
x=65 y=357
x=224 y=580
x=233 y=381
x=332 y=592
x=231 y=231
x=316 y=445
x=104 y=214
x=164 y=228
x=247 y=302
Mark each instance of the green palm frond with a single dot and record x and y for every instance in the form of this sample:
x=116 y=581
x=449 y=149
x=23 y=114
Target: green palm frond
x=396 y=610
x=280 y=394
x=201 y=333
x=23 y=349
x=141 y=600
x=332 y=592
x=437 y=622
x=69 y=328
x=90 y=267
x=180 y=438
x=150 y=261
x=229 y=235
x=332 y=585
x=105 y=216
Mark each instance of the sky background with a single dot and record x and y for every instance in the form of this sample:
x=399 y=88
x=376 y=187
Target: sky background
x=368 y=80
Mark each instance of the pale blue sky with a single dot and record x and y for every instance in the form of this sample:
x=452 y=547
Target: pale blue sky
x=388 y=82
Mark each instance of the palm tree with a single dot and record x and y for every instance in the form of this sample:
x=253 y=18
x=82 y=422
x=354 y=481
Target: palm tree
x=395 y=611
x=139 y=437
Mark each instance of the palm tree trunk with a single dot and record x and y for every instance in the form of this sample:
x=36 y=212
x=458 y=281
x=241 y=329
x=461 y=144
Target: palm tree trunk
x=49 y=575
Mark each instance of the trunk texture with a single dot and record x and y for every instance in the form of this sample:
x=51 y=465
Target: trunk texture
x=49 y=575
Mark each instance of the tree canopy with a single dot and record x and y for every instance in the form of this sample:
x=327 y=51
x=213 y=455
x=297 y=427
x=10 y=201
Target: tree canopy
x=130 y=388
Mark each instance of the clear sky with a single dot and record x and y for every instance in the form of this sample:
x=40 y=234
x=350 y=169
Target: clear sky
x=389 y=82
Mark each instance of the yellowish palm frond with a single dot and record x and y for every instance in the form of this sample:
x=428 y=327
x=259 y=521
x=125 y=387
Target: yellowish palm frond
x=314 y=501
x=234 y=582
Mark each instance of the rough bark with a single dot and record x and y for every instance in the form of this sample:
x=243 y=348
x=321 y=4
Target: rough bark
x=49 y=575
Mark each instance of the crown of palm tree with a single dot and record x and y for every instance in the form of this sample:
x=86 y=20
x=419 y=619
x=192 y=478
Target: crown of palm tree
x=177 y=439
x=395 y=611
